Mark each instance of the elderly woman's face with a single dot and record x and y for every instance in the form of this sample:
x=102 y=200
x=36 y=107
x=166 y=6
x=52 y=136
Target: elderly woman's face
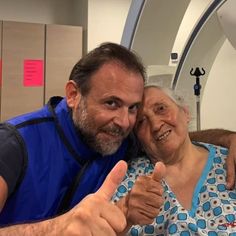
x=162 y=126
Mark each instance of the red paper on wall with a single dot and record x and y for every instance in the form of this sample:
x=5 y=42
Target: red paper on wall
x=33 y=73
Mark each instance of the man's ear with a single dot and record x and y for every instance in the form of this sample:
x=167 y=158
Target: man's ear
x=72 y=94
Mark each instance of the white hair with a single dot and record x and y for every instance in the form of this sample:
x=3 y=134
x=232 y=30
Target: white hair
x=181 y=98
x=173 y=94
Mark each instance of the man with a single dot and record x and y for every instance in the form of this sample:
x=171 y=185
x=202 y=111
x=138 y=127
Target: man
x=59 y=156
x=54 y=161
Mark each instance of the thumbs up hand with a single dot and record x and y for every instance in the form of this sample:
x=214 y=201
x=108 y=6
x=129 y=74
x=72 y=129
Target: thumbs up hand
x=143 y=202
x=95 y=215
x=159 y=172
x=112 y=181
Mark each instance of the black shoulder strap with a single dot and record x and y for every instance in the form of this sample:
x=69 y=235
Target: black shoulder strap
x=65 y=203
x=63 y=137
x=34 y=121
x=14 y=129
x=23 y=151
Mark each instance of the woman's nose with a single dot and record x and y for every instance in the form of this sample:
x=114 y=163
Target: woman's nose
x=155 y=123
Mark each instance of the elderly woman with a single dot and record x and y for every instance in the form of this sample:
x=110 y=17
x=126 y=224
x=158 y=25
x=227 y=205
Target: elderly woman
x=196 y=200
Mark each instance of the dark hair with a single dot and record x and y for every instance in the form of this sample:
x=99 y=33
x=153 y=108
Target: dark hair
x=95 y=59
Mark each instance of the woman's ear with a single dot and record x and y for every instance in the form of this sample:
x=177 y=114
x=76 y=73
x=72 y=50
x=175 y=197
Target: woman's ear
x=72 y=94
x=187 y=113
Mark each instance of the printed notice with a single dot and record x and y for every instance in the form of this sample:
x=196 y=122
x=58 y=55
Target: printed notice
x=33 y=73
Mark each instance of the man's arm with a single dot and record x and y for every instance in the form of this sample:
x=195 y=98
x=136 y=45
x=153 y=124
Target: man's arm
x=94 y=215
x=3 y=192
x=225 y=138
x=219 y=137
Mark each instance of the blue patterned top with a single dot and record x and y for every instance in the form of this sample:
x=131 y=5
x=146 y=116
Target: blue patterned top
x=213 y=210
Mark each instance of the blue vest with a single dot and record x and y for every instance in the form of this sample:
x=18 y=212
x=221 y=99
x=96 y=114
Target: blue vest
x=56 y=158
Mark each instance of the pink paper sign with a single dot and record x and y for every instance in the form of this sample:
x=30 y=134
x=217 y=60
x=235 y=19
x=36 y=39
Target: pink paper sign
x=33 y=73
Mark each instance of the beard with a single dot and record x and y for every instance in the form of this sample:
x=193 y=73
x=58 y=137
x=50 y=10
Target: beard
x=105 y=140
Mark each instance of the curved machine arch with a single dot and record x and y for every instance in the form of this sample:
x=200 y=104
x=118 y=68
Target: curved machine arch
x=158 y=31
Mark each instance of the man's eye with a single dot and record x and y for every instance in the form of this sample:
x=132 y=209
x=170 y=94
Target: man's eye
x=134 y=108
x=111 y=103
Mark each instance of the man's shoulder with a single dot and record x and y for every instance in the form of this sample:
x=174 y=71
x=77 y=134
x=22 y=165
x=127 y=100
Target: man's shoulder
x=30 y=118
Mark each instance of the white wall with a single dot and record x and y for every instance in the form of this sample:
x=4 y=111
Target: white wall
x=102 y=20
x=218 y=100
x=219 y=95
x=36 y=11
x=106 y=20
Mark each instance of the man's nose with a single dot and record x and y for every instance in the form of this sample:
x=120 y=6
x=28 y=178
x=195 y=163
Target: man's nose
x=122 y=119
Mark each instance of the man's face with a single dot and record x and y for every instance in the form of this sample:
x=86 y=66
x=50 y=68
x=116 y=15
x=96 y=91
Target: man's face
x=107 y=114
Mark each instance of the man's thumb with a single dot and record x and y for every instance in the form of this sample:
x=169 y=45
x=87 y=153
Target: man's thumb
x=159 y=171
x=112 y=181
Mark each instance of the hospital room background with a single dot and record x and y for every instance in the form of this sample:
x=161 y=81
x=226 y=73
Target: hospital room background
x=188 y=45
